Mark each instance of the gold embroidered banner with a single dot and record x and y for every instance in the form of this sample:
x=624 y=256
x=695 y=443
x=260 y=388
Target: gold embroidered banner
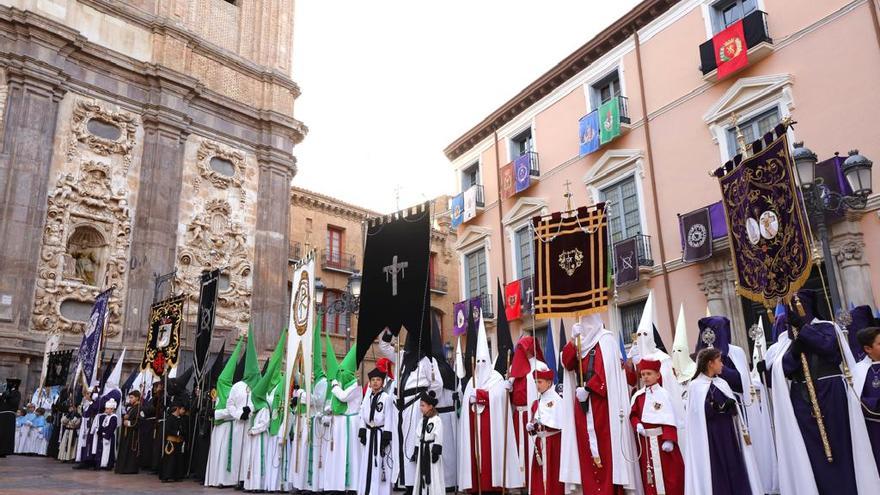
x=571 y=262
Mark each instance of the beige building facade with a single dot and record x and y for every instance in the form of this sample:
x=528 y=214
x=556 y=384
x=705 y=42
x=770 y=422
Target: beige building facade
x=813 y=62
x=140 y=139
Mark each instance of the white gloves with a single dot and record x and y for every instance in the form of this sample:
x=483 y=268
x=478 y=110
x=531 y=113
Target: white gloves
x=94 y=395
x=473 y=399
x=298 y=393
x=507 y=384
x=530 y=427
x=581 y=394
x=576 y=330
x=640 y=429
x=667 y=446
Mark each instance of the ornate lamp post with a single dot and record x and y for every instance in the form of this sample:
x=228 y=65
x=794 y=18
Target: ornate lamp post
x=819 y=200
x=348 y=303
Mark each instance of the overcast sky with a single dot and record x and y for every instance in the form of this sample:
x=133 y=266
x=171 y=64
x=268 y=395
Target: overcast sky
x=387 y=85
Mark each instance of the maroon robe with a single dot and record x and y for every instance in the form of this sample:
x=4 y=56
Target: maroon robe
x=519 y=397
x=672 y=462
x=484 y=471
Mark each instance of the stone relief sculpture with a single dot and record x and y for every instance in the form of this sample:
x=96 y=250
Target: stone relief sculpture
x=87 y=232
x=209 y=150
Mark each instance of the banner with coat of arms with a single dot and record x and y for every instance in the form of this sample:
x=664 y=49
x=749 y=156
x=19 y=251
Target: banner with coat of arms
x=696 y=228
x=588 y=133
x=769 y=244
x=522 y=171
x=163 y=335
x=609 y=120
x=571 y=262
x=456 y=206
x=459 y=315
x=731 y=52
x=508 y=182
x=301 y=326
x=513 y=301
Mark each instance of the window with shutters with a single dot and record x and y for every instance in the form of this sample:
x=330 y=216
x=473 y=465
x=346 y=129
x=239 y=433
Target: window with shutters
x=753 y=129
x=476 y=282
x=624 y=217
x=523 y=247
x=727 y=12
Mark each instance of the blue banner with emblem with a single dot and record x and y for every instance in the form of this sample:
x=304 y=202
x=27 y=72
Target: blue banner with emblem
x=588 y=133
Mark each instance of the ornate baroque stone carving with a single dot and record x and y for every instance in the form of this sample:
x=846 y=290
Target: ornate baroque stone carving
x=207 y=151
x=84 y=201
x=83 y=112
x=213 y=239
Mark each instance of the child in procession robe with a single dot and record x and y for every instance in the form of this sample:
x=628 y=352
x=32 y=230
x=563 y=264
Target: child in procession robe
x=866 y=377
x=172 y=466
x=545 y=428
x=128 y=461
x=69 y=426
x=430 y=477
x=718 y=455
x=107 y=422
x=654 y=418
x=375 y=434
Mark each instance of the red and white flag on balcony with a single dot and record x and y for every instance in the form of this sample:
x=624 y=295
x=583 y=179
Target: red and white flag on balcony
x=512 y=301
x=730 y=50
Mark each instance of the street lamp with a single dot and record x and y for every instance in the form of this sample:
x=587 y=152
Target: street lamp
x=820 y=200
x=347 y=304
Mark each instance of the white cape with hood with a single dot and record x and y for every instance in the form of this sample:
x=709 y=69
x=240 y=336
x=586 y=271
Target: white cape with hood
x=794 y=476
x=625 y=473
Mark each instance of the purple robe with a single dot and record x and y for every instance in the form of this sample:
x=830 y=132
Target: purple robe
x=106 y=431
x=871 y=400
x=88 y=416
x=729 y=474
x=818 y=342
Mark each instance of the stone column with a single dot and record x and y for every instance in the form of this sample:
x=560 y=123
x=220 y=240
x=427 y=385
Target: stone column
x=720 y=290
x=848 y=249
x=25 y=161
x=269 y=303
x=154 y=231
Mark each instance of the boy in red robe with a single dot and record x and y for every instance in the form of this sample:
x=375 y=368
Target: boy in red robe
x=654 y=420
x=545 y=428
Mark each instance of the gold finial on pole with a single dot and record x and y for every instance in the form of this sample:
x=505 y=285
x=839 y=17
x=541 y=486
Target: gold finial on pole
x=740 y=138
x=567 y=195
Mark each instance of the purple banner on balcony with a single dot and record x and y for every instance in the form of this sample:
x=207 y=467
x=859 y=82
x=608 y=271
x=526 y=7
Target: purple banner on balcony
x=768 y=237
x=626 y=261
x=588 y=133
x=696 y=228
x=459 y=315
x=456 y=206
x=475 y=305
x=522 y=172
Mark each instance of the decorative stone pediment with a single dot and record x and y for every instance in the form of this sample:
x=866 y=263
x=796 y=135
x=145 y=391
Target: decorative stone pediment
x=748 y=92
x=612 y=165
x=221 y=166
x=471 y=236
x=94 y=126
x=525 y=207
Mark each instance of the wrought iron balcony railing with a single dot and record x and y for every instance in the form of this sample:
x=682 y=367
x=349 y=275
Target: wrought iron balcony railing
x=534 y=169
x=755 y=31
x=338 y=261
x=439 y=284
x=643 y=243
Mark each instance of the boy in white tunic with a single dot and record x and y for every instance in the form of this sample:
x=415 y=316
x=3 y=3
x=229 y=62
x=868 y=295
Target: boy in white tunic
x=375 y=435
x=430 y=478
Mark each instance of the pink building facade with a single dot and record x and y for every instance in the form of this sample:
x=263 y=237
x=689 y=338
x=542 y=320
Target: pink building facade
x=815 y=62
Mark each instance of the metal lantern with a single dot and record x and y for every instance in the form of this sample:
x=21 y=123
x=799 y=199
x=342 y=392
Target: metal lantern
x=805 y=164
x=857 y=170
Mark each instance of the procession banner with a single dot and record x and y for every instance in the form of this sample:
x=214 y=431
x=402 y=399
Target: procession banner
x=459 y=312
x=58 y=368
x=512 y=300
x=731 y=52
x=588 y=133
x=457 y=208
x=769 y=245
x=470 y=204
x=508 y=182
x=298 y=359
x=394 y=291
x=163 y=335
x=696 y=228
x=626 y=261
x=522 y=170
x=205 y=324
x=571 y=268
x=609 y=115
x=87 y=356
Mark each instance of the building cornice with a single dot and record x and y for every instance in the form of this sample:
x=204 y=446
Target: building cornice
x=321 y=202
x=615 y=34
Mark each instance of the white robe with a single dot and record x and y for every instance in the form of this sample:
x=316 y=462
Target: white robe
x=795 y=477
x=255 y=476
x=239 y=398
x=83 y=433
x=341 y=463
x=67 y=446
x=697 y=456
x=761 y=429
x=276 y=461
x=437 y=436
x=380 y=476
x=216 y=472
x=450 y=438
x=498 y=400
x=307 y=441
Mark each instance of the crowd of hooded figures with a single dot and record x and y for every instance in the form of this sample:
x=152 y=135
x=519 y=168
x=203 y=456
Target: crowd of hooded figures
x=803 y=418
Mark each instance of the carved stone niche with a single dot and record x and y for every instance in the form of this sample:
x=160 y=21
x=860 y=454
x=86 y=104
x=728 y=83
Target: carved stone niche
x=103 y=131
x=214 y=240
x=84 y=251
x=223 y=167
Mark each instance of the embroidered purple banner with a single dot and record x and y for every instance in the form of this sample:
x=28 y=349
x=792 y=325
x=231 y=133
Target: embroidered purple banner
x=459 y=315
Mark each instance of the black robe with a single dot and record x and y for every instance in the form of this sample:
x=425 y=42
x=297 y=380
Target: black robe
x=127 y=458
x=173 y=465
x=200 y=436
x=151 y=433
x=9 y=402
x=58 y=410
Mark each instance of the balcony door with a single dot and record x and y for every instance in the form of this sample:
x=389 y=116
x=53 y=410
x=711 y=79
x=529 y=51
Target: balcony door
x=334 y=246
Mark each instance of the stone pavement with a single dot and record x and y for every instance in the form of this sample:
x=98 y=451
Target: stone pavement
x=40 y=475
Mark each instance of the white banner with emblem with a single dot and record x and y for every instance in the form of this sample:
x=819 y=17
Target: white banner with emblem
x=298 y=361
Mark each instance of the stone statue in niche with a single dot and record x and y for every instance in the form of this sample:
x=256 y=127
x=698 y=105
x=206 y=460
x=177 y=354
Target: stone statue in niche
x=85 y=250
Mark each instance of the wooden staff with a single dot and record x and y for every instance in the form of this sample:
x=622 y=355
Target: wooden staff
x=506 y=418
x=476 y=426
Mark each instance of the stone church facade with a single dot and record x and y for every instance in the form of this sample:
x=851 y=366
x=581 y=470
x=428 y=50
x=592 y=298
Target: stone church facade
x=141 y=137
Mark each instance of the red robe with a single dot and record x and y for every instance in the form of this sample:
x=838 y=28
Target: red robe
x=519 y=397
x=594 y=481
x=484 y=472
x=551 y=459
x=672 y=462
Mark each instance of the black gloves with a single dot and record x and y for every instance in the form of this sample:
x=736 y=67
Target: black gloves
x=795 y=319
x=386 y=337
x=762 y=366
x=415 y=456
x=386 y=441
x=362 y=435
x=730 y=406
x=245 y=413
x=436 y=450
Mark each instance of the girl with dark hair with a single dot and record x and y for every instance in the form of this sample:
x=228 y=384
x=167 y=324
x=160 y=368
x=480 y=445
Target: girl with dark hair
x=718 y=456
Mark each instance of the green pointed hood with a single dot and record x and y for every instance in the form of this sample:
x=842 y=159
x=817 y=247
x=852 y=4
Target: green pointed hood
x=317 y=352
x=332 y=363
x=345 y=377
x=277 y=404
x=224 y=381
x=251 y=363
x=268 y=381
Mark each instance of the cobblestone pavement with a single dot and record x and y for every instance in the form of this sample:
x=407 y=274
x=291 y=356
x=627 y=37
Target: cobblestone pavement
x=40 y=475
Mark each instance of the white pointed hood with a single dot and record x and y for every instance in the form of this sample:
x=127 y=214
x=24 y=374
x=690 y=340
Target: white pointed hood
x=484 y=365
x=460 y=371
x=684 y=366
x=760 y=347
x=647 y=346
x=113 y=381
x=589 y=328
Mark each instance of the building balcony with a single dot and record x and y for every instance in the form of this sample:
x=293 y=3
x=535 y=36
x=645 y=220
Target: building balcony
x=338 y=262
x=534 y=169
x=439 y=284
x=295 y=253
x=758 y=44
x=481 y=197
x=488 y=305
x=643 y=243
